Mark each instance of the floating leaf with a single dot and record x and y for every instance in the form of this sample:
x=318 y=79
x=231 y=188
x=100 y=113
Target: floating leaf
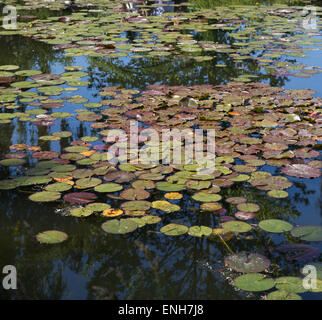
x=98 y=207
x=301 y=171
x=248 y=207
x=12 y=162
x=247 y=262
x=81 y=212
x=135 y=194
x=254 y=282
x=283 y=295
x=237 y=226
x=206 y=197
x=8 y=184
x=275 y=225
x=174 y=229
x=308 y=233
x=110 y=212
x=290 y=284
x=169 y=187
x=136 y=205
x=119 y=226
x=210 y=206
x=236 y=200
x=108 y=187
x=51 y=236
x=80 y=197
x=45 y=196
x=165 y=206
x=277 y=194
x=149 y=219
x=199 y=231
x=85 y=183
x=59 y=187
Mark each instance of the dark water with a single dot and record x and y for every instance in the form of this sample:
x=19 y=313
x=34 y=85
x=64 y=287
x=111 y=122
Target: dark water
x=144 y=264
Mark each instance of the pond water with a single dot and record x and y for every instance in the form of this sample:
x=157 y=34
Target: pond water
x=146 y=263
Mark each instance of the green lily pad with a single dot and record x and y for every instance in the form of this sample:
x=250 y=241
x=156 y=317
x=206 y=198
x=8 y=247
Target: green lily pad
x=45 y=196
x=51 y=236
x=135 y=194
x=76 y=149
x=174 y=229
x=136 y=205
x=9 y=67
x=8 y=184
x=283 y=295
x=206 y=197
x=254 y=282
x=248 y=207
x=62 y=134
x=237 y=226
x=169 y=187
x=308 y=233
x=12 y=162
x=64 y=168
x=290 y=284
x=149 y=219
x=58 y=187
x=120 y=226
x=108 y=187
x=199 y=231
x=275 y=225
x=98 y=207
x=90 y=182
x=277 y=194
x=81 y=212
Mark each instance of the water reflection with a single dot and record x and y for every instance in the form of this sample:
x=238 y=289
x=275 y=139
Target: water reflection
x=144 y=264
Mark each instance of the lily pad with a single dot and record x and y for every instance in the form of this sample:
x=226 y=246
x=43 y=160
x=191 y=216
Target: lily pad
x=108 y=187
x=80 y=197
x=247 y=262
x=248 y=207
x=290 y=284
x=165 y=206
x=58 y=187
x=51 y=236
x=237 y=226
x=98 y=207
x=283 y=295
x=199 y=231
x=254 y=282
x=136 y=205
x=277 y=194
x=174 y=229
x=206 y=197
x=149 y=219
x=301 y=171
x=135 y=194
x=169 y=187
x=45 y=196
x=308 y=233
x=119 y=226
x=275 y=225
x=12 y=162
